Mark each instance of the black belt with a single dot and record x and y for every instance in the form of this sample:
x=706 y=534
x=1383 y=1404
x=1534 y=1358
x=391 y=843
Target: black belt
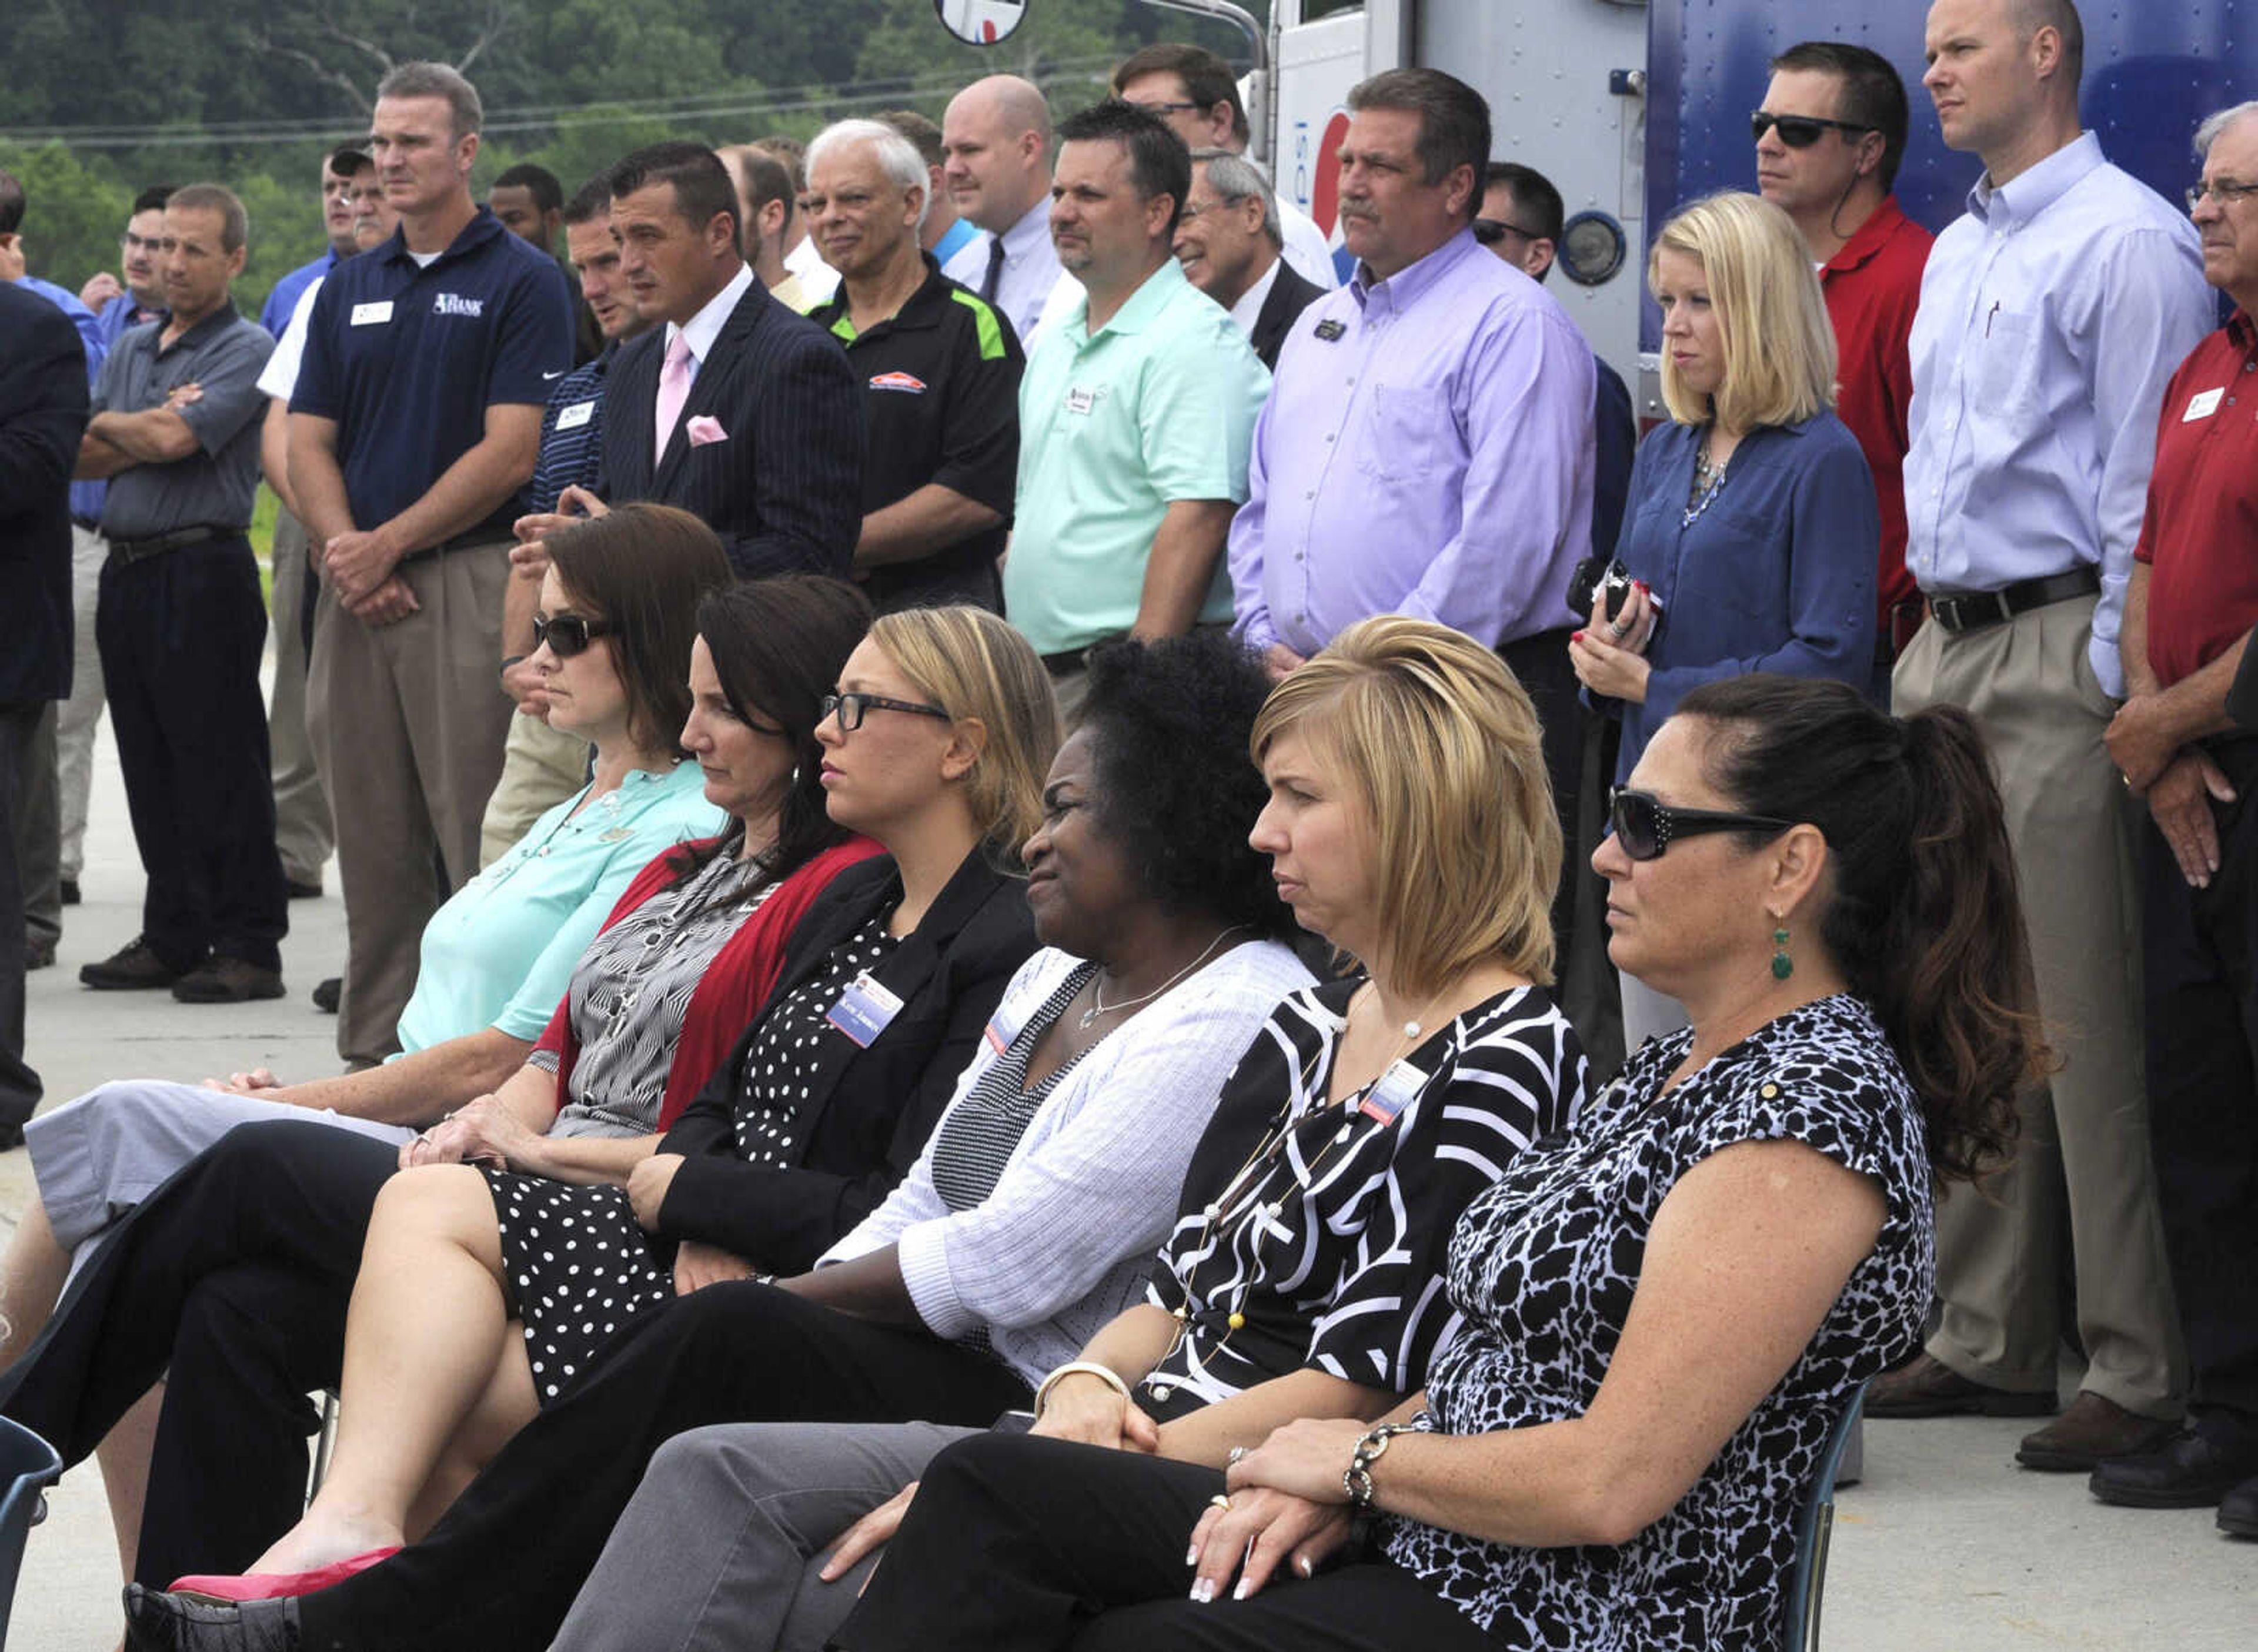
x=1962 y=611
x=131 y=551
x=463 y=541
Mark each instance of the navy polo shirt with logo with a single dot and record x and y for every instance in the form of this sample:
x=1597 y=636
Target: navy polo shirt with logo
x=406 y=359
x=941 y=394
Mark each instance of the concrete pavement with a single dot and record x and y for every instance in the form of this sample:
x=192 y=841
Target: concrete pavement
x=1947 y=1545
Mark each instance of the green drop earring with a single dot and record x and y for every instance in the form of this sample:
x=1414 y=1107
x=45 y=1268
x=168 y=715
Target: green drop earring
x=1782 y=965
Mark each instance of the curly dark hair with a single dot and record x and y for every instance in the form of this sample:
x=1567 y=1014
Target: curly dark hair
x=1926 y=921
x=1169 y=723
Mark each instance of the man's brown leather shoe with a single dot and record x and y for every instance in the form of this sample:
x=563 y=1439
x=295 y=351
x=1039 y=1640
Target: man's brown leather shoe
x=2093 y=1428
x=1929 y=1387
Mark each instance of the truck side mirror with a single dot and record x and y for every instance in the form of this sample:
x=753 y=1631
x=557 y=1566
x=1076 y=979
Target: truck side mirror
x=981 y=22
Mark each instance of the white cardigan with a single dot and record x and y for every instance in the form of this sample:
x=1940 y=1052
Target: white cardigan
x=1065 y=1241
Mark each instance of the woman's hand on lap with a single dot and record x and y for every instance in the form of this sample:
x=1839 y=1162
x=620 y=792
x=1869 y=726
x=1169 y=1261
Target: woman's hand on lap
x=697 y=1266
x=875 y=1528
x=1083 y=1409
x=1261 y=1531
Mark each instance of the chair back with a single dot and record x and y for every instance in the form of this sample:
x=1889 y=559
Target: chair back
x=28 y=1464
x=1813 y=1529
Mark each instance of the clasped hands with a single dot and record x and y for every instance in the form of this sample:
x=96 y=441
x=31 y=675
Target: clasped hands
x=482 y=1130
x=2177 y=780
x=1609 y=656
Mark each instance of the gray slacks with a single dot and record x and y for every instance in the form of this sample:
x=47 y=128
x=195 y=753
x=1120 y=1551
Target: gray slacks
x=303 y=832
x=2085 y=1153
x=720 y=1548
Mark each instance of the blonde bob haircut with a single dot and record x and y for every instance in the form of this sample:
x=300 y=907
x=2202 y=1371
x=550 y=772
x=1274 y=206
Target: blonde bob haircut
x=978 y=669
x=1439 y=742
x=1772 y=319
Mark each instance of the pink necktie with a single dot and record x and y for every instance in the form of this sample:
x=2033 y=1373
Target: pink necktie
x=673 y=390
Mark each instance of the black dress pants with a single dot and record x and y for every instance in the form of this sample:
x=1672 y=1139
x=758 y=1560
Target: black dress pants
x=19 y=1086
x=180 y=636
x=1018 y=1545
x=501 y=1569
x=234 y=1277
x=2200 y=956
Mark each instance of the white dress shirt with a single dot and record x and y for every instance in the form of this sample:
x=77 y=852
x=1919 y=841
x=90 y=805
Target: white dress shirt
x=1031 y=269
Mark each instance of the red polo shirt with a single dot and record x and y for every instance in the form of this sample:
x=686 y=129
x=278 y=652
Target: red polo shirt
x=2200 y=536
x=1873 y=287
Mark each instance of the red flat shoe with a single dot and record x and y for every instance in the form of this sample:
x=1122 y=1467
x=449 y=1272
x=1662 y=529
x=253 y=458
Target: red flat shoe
x=269 y=1586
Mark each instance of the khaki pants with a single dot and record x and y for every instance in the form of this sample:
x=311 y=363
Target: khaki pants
x=541 y=767
x=76 y=717
x=302 y=831
x=407 y=722
x=2086 y=1137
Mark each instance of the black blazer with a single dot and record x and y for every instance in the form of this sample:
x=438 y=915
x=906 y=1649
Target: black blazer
x=785 y=492
x=1290 y=295
x=867 y=1111
x=42 y=415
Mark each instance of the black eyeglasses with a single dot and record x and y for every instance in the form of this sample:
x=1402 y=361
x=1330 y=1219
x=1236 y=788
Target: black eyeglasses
x=1165 y=110
x=1799 y=131
x=850 y=709
x=1490 y=231
x=1645 y=826
x=568 y=634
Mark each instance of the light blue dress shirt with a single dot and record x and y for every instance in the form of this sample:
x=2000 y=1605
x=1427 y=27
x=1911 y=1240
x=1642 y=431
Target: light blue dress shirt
x=2051 y=318
x=1427 y=449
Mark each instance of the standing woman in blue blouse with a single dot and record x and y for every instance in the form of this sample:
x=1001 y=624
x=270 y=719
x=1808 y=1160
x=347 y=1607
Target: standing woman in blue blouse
x=1752 y=531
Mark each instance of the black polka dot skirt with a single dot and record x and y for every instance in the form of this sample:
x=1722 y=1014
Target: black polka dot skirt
x=579 y=1267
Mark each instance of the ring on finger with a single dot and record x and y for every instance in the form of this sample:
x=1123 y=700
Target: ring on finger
x=1236 y=1452
x=1221 y=1499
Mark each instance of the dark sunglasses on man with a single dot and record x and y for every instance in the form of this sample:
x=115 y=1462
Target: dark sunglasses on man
x=1645 y=826
x=1800 y=132
x=568 y=634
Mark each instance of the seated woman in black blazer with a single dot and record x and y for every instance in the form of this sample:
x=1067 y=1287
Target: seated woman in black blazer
x=936 y=747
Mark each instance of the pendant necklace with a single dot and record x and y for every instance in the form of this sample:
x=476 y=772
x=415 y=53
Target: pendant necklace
x=1098 y=1006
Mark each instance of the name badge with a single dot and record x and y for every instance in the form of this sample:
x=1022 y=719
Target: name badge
x=1329 y=331
x=575 y=415
x=864 y=1011
x=2204 y=406
x=1080 y=400
x=1011 y=1016
x=1392 y=1093
x=372 y=314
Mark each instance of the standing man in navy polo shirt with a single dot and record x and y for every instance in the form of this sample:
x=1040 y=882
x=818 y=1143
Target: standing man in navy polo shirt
x=180 y=624
x=413 y=432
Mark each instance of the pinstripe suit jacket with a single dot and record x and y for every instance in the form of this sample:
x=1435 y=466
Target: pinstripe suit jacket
x=784 y=490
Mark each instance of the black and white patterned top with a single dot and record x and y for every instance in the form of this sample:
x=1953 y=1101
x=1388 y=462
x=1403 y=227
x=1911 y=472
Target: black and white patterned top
x=1543 y=1266
x=776 y=1088
x=1331 y=1249
x=631 y=993
x=980 y=1133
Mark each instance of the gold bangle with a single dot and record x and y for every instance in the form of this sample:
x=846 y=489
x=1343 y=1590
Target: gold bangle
x=1078 y=1368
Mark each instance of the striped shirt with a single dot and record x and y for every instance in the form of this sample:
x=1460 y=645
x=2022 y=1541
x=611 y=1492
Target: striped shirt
x=572 y=436
x=1326 y=1225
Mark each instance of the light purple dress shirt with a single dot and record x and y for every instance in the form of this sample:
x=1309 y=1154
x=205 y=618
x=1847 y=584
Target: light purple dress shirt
x=1428 y=452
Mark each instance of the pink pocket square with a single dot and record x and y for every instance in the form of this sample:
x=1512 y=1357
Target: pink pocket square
x=704 y=430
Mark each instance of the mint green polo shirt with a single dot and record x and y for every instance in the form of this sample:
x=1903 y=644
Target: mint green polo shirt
x=502 y=951
x=1159 y=406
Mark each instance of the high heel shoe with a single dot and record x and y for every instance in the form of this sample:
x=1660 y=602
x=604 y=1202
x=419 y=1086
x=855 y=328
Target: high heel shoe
x=268 y=1586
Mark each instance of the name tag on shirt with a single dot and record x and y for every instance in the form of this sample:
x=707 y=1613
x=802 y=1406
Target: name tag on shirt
x=1011 y=1016
x=575 y=415
x=864 y=1011
x=1329 y=330
x=1080 y=400
x=1393 y=1093
x=372 y=314
x=2204 y=406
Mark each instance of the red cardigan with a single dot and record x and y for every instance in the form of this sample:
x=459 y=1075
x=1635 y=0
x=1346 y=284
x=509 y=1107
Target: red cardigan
x=735 y=984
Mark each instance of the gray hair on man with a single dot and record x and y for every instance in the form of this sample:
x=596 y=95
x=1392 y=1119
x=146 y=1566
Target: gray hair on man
x=1235 y=179
x=437 y=80
x=2207 y=134
x=898 y=158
